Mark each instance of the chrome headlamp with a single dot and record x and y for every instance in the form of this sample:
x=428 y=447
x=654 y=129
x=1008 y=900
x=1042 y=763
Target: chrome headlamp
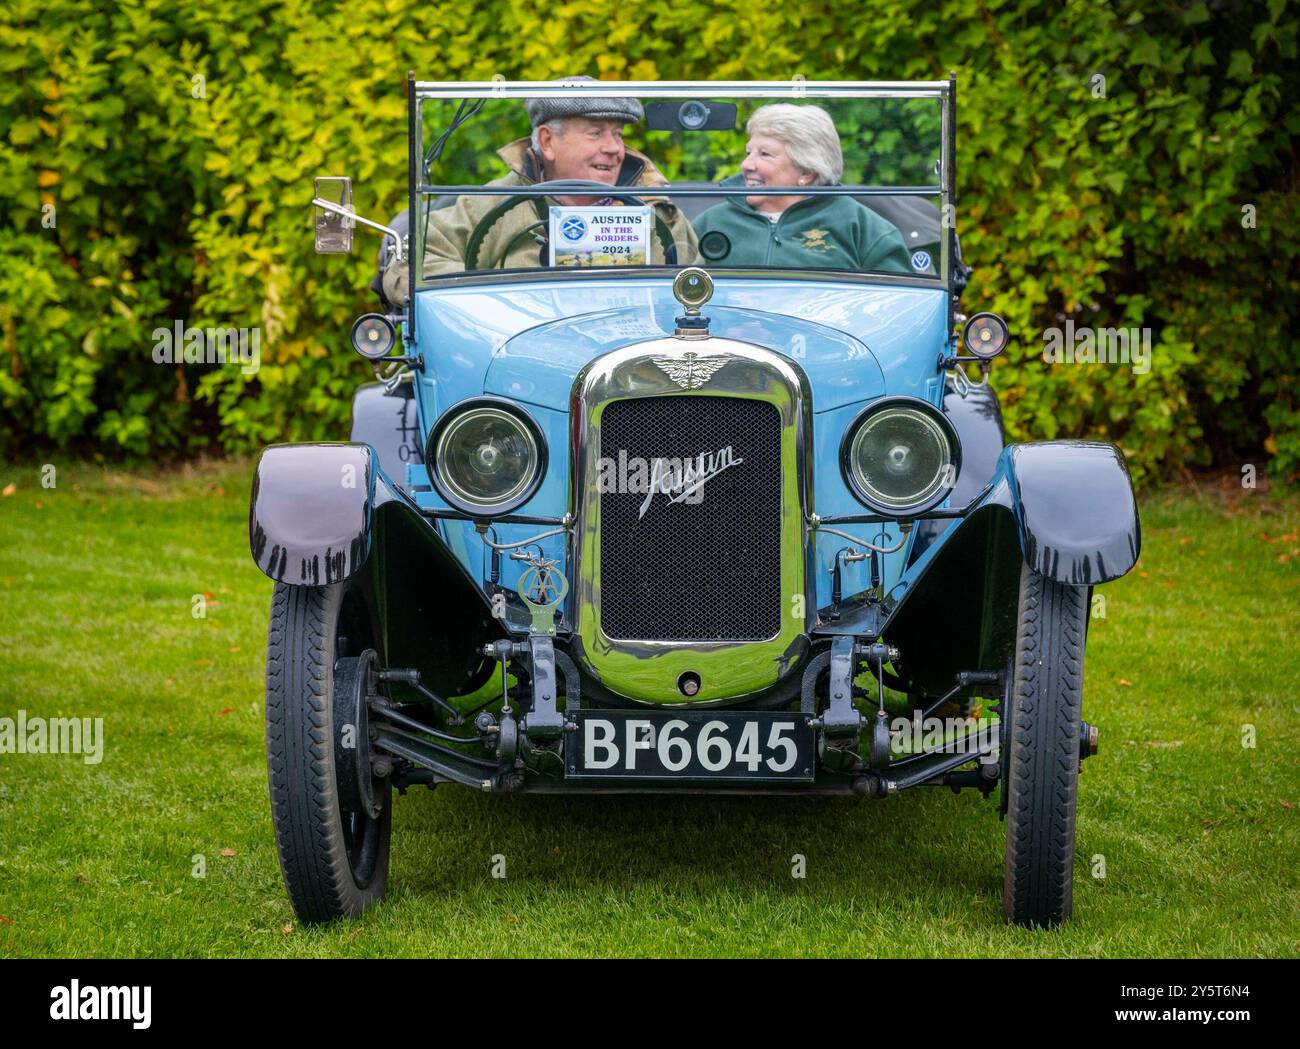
x=486 y=457
x=901 y=456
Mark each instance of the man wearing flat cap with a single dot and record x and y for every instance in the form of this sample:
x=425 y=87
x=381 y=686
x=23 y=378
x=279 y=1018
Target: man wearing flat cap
x=573 y=137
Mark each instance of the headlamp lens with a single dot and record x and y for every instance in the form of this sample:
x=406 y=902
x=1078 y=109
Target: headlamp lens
x=901 y=458
x=486 y=458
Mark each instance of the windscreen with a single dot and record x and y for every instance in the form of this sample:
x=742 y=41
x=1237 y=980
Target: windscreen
x=578 y=180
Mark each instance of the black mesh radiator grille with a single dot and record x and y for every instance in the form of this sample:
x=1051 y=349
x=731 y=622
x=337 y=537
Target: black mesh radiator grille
x=706 y=570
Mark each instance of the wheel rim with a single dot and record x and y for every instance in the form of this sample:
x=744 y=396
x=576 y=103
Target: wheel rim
x=363 y=834
x=361 y=837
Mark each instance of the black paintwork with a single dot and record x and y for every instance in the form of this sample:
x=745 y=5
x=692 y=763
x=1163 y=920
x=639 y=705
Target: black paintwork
x=960 y=613
x=1073 y=500
x=309 y=519
x=1076 y=509
x=389 y=423
x=1066 y=508
x=307 y=526
x=978 y=420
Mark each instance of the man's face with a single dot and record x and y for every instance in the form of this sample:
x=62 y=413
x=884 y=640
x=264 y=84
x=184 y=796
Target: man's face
x=583 y=149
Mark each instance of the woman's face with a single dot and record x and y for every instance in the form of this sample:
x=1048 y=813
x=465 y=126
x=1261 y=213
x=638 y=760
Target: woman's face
x=767 y=164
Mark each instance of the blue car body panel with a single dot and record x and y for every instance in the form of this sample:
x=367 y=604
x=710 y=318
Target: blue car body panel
x=1069 y=504
x=528 y=340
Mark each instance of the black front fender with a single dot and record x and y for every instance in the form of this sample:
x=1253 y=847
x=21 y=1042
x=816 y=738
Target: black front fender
x=324 y=513
x=309 y=520
x=1065 y=508
x=1076 y=514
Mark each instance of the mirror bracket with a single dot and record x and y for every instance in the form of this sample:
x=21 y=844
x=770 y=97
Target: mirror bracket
x=335 y=222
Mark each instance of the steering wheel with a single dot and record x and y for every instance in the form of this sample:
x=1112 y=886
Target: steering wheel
x=568 y=187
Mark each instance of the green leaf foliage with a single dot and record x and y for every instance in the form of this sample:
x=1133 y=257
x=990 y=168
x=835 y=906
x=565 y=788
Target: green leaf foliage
x=158 y=160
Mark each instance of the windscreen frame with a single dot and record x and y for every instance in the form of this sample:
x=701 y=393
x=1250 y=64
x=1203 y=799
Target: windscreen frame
x=795 y=90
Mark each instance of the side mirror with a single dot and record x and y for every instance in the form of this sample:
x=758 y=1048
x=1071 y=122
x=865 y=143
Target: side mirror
x=334 y=219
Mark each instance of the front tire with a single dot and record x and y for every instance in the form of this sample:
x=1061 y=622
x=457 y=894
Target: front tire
x=1043 y=741
x=335 y=861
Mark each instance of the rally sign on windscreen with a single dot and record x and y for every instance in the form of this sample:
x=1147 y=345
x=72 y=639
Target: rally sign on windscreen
x=600 y=236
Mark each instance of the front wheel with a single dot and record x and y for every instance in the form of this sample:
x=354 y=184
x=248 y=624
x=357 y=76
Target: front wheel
x=333 y=843
x=1041 y=785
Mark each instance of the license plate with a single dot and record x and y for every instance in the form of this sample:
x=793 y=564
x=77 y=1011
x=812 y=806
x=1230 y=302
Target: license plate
x=690 y=745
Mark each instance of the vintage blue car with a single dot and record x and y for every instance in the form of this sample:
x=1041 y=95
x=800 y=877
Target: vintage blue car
x=682 y=475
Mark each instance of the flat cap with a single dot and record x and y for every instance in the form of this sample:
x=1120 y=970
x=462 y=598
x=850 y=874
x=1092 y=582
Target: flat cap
x=544 y=110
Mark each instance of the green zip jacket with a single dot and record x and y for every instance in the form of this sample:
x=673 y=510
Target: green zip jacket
x=829 y=232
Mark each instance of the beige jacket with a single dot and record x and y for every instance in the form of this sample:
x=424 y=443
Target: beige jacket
x=448 y=229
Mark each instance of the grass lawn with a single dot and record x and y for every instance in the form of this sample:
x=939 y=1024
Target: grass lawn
x=1200 y=835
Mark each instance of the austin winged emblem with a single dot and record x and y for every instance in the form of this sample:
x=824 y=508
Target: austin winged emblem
x=690 y=371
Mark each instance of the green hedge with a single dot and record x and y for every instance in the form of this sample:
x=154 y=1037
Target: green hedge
x=180 y=198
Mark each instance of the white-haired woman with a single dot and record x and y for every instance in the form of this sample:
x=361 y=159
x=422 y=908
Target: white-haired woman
x=797 y=145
